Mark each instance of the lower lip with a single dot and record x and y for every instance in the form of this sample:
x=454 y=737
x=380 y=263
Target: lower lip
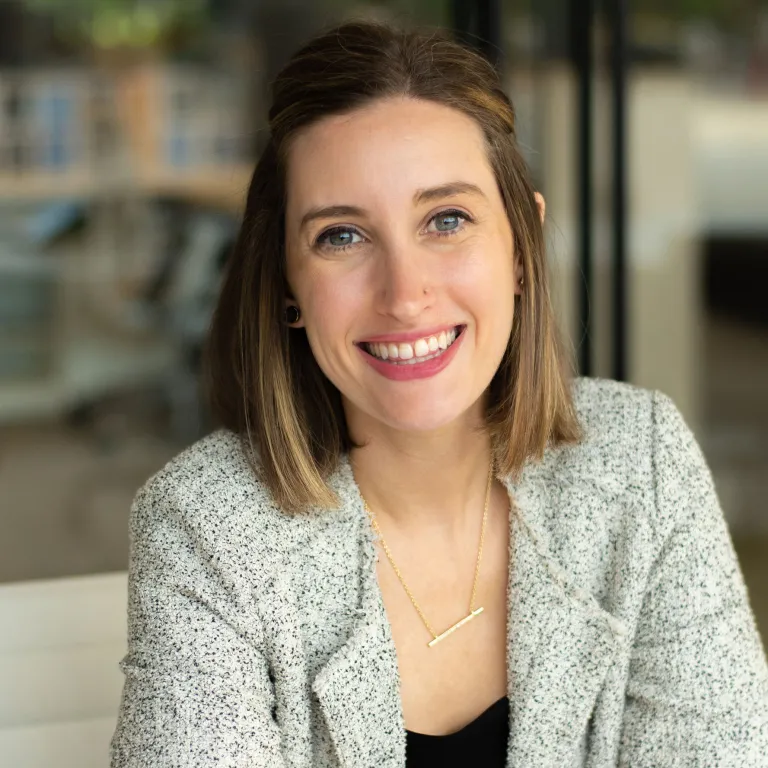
x=414 y=370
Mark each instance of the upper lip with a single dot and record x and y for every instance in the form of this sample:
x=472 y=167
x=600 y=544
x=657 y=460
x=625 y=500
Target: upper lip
x=408 y=336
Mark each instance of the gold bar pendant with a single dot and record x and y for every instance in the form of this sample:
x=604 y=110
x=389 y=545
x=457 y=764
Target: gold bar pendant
x=447 y=632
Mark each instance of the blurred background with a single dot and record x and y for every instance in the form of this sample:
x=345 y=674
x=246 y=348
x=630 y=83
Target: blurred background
x=128 y=132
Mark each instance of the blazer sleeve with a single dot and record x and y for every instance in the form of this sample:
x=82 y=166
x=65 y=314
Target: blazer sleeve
x=697 y=691
x=197 y=690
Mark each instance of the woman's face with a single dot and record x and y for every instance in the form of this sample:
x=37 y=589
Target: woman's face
x=400 y=256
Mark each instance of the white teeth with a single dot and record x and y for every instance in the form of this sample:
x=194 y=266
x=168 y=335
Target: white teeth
x=420 y=350
x=406 y=351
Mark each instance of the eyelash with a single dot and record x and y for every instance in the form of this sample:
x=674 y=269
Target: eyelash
x=337 y=230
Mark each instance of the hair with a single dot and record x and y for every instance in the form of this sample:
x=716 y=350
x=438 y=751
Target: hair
x=263 y=381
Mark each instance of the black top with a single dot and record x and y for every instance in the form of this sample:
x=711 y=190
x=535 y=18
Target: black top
x=483 y=742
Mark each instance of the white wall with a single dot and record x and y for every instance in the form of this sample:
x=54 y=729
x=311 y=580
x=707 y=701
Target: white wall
x=664 y=300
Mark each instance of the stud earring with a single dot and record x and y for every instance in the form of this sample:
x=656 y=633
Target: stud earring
x=292 y=314
x=521 y=282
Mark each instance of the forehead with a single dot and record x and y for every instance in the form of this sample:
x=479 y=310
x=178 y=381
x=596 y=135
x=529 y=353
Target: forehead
x=385 y=150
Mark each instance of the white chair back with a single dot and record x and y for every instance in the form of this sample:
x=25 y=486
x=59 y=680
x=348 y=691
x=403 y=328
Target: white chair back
x=60 y=683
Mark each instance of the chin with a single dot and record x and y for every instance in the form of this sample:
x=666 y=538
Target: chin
x=423 y=416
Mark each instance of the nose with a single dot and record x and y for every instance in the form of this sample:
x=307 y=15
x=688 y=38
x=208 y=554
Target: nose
x=404 y=284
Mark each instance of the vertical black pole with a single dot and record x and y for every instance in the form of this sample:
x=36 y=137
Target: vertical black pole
x=478 y=23
x=582 y=13
x=489 y=30
x=617 y=20
x=462 y=19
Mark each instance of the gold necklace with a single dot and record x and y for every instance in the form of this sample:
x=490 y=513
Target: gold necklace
x=472 y=613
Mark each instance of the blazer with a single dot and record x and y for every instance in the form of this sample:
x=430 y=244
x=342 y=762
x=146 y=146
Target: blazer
x=260 y=639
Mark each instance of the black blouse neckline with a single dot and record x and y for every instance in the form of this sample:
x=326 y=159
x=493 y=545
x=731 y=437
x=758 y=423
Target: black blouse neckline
x=498 y=712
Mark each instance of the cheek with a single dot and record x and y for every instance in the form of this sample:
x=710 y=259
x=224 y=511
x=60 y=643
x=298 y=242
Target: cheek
x=493 y=297
x=332 y=301
x=487 y=271
x=334 y=294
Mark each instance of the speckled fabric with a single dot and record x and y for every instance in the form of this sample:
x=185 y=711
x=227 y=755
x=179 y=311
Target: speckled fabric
x=260 y=639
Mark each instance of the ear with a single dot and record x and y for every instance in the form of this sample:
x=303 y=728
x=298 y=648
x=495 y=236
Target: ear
x=293 y=303
x=518 y=276
x=542 y=204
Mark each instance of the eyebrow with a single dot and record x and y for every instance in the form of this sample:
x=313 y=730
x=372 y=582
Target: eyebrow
x=451 y=189
x=329 y=212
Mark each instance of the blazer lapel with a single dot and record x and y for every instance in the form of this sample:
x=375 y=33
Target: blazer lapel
x=560 y=643
x=359 y=686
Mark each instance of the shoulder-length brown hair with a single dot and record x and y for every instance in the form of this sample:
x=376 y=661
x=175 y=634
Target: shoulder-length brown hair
x=263 y=381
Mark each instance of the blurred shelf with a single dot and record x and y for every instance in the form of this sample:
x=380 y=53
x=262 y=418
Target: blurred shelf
x=221 y=187
x=20 y=188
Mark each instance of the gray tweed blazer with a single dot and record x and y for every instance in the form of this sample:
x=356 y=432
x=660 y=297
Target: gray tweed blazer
x=259 y=639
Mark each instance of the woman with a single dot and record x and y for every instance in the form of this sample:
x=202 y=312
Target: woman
x=557 y=585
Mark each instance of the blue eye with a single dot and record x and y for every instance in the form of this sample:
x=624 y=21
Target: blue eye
x=449 y=222
x=446 y=221
x=338 y=238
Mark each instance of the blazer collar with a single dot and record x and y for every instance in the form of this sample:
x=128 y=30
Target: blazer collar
x=560 y=645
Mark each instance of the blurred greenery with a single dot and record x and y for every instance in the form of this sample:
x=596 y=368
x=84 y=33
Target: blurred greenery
x=424 y=11
x=430 y=12
x=728 y=12
x=112 y=24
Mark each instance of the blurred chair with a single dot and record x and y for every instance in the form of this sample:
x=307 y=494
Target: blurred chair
x=175 y=304
x=187 y=304
x=60 y=648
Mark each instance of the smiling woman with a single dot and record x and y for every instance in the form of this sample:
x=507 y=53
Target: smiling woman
x=385 y=365
x=391 y=204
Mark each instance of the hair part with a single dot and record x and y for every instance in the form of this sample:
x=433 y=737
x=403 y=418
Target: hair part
x=262 y=378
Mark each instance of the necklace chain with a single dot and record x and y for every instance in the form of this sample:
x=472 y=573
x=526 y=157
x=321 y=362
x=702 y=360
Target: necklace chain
x=472 y=613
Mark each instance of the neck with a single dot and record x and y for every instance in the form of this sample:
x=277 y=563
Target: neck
x=417 y=482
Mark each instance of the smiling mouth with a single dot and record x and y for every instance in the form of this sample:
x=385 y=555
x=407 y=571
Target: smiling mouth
x=411 y=353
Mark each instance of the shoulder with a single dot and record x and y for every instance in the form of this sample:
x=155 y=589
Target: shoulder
x=624 y=423
x=617 y=421
x=611 y=410
x=209 y=498
x=620 y=476
x=213 y=472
